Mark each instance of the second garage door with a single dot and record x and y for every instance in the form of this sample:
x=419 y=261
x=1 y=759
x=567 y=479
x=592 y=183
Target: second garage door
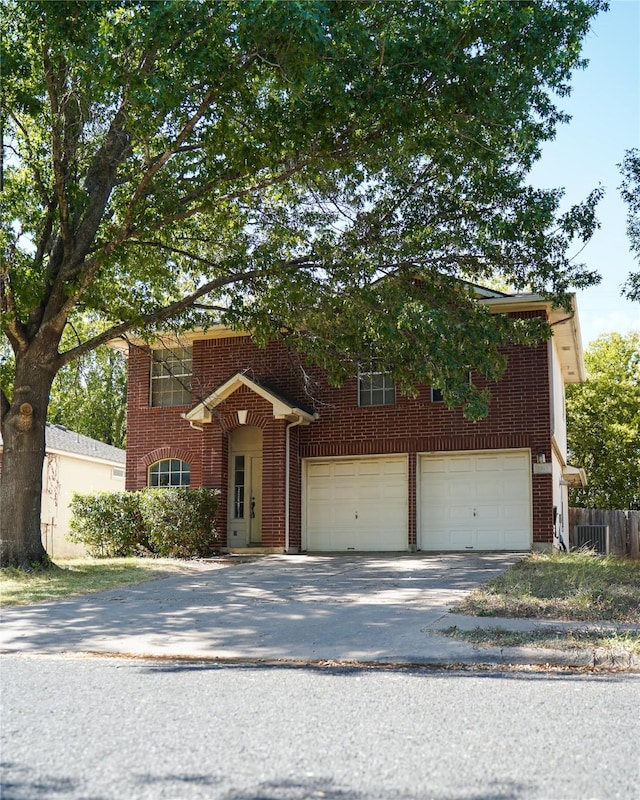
x=357 y=504
x=476 y=501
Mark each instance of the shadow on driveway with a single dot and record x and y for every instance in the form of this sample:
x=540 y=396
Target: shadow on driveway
x=308 y=607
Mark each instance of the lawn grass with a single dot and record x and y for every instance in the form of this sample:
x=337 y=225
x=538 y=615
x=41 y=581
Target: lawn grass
x=555 y=639
x=81 y=576
x=578 y=586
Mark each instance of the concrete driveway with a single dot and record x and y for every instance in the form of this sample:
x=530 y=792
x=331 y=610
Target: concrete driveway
x=375 y=608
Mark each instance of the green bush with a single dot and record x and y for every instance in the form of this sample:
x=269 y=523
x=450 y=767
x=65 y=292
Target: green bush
x=180 y=523
x=173 y=522
x=108 y=524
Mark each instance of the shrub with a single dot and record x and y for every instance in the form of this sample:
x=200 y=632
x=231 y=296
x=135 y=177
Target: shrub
x=108 y=524
x=180 y=523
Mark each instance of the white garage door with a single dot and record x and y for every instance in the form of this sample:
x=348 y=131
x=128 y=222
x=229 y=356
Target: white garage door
x=357 y=504
x=476 y=501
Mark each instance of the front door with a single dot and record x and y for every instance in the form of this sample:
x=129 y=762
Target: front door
x=255 y=498
x=245 y=487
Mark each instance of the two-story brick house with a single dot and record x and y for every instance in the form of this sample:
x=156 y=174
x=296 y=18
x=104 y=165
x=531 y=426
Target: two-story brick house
x=358 y=467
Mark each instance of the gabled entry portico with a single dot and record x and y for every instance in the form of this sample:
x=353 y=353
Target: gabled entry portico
x=251 y=432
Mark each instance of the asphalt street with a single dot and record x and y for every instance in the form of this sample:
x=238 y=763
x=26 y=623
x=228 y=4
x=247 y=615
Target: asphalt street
x=107 y=729
x=235 y=687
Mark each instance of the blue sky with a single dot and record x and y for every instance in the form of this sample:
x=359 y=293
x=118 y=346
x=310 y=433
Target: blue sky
x=605 y=110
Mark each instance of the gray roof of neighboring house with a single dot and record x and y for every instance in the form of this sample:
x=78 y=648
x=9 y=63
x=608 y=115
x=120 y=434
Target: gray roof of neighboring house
x=60 y=438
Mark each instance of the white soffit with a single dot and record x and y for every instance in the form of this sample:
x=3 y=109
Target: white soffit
x=567 y=338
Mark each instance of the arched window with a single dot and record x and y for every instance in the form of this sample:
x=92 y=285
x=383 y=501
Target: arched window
x=169 y=472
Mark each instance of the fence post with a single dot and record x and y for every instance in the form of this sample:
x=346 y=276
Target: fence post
x=633 y=520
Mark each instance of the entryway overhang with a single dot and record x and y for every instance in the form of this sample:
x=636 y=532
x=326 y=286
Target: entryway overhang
x=575 y=477
x=283 y=407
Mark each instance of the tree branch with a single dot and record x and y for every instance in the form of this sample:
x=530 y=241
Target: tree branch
x=161 y=160
x=59 y=168
x=160 y=315
x=13 y=328
x=44 y=195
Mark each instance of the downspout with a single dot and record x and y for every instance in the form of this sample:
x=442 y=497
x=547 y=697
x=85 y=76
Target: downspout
x=287 y=469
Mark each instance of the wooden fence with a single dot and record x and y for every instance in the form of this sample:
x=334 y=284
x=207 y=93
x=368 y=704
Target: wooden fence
x=624 y=528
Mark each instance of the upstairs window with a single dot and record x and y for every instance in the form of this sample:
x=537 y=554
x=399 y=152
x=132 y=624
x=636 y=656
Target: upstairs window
x=169 y=472
x=436 y=394
x=171 y=376
x=375 y=386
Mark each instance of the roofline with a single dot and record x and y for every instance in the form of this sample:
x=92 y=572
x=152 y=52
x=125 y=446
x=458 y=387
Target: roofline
x=573 y=369
x=56 y=451
x=83 y=457
x=282 y=409
x=171 y=339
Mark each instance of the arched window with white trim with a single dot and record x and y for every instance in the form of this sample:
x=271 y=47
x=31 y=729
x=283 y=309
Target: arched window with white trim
x=169 y=472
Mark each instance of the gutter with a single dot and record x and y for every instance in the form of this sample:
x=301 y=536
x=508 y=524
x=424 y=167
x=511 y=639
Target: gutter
x=287 y=471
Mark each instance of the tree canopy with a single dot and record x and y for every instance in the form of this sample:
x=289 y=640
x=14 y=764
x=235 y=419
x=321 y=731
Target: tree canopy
x=630 y=189
x=89 y=396
x=603 y=423
x=266 y=164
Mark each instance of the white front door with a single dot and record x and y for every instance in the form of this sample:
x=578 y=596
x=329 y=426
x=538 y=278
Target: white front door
x=357 y=504
x=254 y=490
x=245 y=488
x=476 y=501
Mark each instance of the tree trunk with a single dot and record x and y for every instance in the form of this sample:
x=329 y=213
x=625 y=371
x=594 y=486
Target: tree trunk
x=23 y=434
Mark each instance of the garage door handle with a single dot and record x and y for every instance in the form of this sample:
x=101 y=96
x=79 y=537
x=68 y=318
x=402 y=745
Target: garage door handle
x=475 y=513
x=356 y=515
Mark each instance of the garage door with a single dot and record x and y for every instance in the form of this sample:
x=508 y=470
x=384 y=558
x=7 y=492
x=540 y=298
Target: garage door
x=357 y=504
x=477 y=501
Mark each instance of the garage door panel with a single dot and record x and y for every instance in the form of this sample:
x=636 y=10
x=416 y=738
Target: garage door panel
x=363 y=505
x=370 y=468
x=395 y=468
x=342 y=493
x=461 y=465
x=478 y=501
x=345 y=469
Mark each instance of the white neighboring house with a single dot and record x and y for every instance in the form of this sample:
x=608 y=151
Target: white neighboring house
x=73 y=463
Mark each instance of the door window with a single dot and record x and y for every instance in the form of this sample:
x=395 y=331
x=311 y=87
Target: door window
x=238 y=487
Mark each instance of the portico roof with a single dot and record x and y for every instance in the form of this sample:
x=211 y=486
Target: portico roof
x=283 y=407
x=575 y=477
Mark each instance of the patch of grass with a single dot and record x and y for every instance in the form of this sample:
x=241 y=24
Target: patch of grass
x=555 y=639
x=578 y=586
x=81 y=576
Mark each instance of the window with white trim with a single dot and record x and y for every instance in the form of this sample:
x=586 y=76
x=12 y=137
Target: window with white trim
x=376 y=386
x=169 y=472
x=171 y=369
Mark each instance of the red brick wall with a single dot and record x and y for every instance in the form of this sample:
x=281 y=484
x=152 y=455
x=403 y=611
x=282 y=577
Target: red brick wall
x=519 y=417
x=156 y=433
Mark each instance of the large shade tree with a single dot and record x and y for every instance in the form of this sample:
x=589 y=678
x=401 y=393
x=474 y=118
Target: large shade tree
x=89 y=394
x=603 y=423
x=267 y=163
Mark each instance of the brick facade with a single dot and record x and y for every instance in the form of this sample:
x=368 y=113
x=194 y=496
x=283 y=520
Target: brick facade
x=519 y=418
